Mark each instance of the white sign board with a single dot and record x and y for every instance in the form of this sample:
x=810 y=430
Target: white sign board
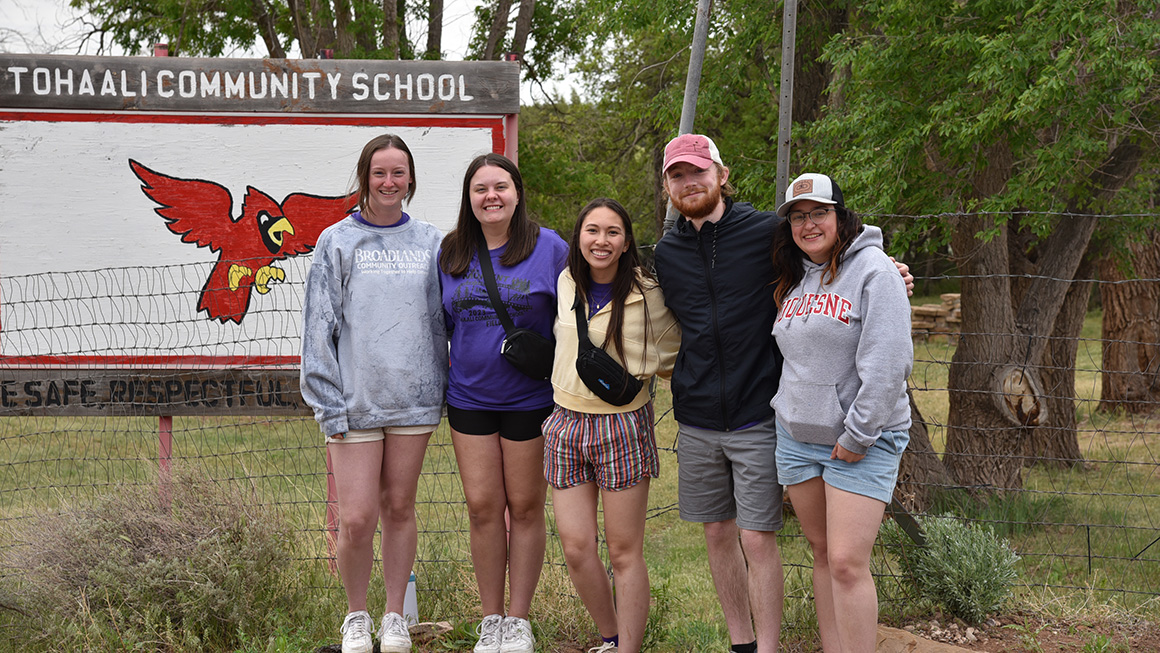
x=90 y=273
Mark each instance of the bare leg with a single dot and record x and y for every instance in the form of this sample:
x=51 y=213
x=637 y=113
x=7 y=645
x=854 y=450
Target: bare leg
x=481 y=462
x=357 y=470
x=852 y=522
x=766 y=585
x=575 y=510
x=809 y=504
x=624 y=517
x=402 y=462
x=730 y=577
x=526 y=490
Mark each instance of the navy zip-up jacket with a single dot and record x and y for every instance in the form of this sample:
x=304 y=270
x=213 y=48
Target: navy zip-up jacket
x=718 y=283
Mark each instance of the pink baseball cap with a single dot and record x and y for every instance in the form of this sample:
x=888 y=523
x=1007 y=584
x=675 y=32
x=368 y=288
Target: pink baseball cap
x=696 y=149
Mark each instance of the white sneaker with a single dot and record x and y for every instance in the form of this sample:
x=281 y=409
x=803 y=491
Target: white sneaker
x=393 y=634
x=356 y=633
x=606 y=647
x=490 y=632
x=517 y=636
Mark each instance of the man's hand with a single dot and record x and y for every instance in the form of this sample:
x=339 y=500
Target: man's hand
x=907 y=278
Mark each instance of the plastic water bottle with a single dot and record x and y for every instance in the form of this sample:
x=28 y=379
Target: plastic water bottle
x=410 y=603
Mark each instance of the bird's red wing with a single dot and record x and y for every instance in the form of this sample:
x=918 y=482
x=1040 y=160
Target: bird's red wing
x=196 y=210
x=309 y=215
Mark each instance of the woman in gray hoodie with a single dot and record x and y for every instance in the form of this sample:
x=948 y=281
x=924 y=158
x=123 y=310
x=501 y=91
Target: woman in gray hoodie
x=843 y=326
x=374 y=368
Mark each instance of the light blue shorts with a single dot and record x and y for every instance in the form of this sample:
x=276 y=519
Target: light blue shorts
x=874 y=476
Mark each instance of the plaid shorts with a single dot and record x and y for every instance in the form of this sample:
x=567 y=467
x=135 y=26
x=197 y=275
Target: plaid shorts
x=617 y=451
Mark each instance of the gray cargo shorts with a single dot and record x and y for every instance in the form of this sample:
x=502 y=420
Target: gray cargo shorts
x=727 y=475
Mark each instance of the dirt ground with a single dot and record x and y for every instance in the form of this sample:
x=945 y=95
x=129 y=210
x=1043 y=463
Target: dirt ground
x=1019 y=633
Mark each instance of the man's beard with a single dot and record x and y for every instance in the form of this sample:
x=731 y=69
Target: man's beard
x=694 y=209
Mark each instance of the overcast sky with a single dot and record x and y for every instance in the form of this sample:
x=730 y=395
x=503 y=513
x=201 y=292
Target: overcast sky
x=50 y=26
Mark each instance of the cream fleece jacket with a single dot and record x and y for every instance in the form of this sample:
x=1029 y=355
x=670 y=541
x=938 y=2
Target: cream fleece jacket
x=650 y=345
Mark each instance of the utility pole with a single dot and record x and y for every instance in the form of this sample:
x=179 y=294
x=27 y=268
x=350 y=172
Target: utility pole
x=785 y=102
x=692 y=87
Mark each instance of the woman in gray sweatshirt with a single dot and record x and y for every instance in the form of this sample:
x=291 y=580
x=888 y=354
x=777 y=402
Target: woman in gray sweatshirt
x=374 y=368
x=843 y=326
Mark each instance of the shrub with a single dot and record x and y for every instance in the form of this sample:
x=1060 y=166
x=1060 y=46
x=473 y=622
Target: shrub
x=965 y=569
x=130 y=571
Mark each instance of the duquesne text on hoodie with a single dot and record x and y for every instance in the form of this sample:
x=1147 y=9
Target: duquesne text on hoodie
x=828 y=304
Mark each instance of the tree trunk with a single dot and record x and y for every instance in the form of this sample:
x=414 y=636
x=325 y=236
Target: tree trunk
x=1131 y=330
x=391 y=29
x=984 y=432
x=307 y=42
x=366 y=13
x=523 y=26
x=1056 y=443
x=812 y=73
x=324 y=32
x=434 y=31
x=265 y=21
x=498 y=29
x=405 y=49
x=996 y=378
x=344 y=41
x=921 y=471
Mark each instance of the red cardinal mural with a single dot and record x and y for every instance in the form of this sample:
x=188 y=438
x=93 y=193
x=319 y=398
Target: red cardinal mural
x=199 y=212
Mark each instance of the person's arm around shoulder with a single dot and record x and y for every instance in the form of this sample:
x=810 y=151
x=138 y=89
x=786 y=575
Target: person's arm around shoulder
x=666 y=332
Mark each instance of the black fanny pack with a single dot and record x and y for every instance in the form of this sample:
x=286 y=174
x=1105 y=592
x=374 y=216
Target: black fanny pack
x=527 y=350
x=605 y=377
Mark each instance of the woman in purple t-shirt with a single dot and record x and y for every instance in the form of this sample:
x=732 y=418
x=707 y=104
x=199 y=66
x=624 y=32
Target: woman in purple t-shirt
x=495 y=411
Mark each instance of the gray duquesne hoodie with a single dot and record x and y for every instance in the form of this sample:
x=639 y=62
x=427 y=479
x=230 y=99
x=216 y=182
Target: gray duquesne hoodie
x=847 y=350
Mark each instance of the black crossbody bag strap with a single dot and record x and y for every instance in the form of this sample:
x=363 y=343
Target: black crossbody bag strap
x=582 y=325
x=492 y=290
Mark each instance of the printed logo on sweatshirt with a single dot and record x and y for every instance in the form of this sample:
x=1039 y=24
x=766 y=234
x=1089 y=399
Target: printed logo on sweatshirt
x=471 y=303
x=827 y=304
x=392 y=261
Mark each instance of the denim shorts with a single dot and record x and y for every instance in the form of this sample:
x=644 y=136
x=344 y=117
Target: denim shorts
x=729 y=475
x=874 y=476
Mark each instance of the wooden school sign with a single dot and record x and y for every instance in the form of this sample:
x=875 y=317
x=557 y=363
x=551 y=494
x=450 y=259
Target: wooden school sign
x=258 y=85
x=139 y=270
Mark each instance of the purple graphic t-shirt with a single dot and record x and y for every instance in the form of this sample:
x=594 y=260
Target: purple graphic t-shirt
x=480 y=377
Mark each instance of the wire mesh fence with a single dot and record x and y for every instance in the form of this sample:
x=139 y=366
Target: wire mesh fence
x=1084 y=521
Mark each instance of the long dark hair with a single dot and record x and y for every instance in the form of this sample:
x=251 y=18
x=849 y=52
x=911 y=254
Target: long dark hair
x=460 y=244
x=787 y=256
x=629 y=271
x=362 y=169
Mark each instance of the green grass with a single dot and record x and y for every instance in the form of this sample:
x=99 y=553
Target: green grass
x=1107 y=507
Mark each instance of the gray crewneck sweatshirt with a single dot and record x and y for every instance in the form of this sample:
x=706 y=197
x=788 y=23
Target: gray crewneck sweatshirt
x=847 y=350
x=374 y=343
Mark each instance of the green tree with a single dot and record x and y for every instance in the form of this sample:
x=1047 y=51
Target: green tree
x=1024 y=121
x=213 y=28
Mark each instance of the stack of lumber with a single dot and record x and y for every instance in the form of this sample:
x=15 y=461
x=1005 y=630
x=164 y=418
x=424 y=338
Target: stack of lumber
x=937 y=321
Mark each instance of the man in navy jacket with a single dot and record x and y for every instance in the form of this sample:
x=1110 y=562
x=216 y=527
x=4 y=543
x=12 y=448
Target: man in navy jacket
x=716 y=272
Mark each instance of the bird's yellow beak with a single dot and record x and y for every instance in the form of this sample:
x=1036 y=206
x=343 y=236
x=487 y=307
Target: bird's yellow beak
x=282 y=226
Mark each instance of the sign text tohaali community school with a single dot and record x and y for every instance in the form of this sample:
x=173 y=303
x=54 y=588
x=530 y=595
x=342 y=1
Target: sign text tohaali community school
x=183 y=84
